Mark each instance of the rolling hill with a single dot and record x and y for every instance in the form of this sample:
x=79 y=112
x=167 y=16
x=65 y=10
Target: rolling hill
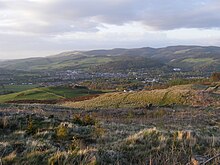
x=191 y=95
x=46 y=94
x=191 y=58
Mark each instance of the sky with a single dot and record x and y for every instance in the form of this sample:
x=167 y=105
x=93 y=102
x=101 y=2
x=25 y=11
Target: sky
x=31 y=28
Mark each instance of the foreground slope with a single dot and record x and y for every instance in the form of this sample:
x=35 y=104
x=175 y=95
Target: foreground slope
x=48 y=135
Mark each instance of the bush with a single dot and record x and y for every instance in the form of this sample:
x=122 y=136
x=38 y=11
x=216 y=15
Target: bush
x=77 y=119
x=31 y=128
x=215 y=76
x=86 y=120
x=62 y=132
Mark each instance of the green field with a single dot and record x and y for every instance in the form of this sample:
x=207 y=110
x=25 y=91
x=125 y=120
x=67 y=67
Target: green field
x=16 y=88
x=182 y=51
x=199 y=60
x=83 y=62
x=49 y=93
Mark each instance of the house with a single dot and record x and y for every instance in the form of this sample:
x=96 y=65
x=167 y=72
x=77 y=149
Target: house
x=176 y=69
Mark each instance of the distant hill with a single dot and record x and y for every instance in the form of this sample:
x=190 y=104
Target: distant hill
x=192 y=58
x=130 y=63
x=195 y=58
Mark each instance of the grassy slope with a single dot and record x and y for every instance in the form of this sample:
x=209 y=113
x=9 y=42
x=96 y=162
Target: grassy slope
x=17 y=88
x=184 y=95
x=77 y=61
x=84 y=62
x=199 y=60
x=208 y=64
x=51 y=93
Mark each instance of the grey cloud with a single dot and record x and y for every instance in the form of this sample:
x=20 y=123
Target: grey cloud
x=23 y=45
x=183 y=14
x=159 y=14
x=86 y=15
x=30 y=27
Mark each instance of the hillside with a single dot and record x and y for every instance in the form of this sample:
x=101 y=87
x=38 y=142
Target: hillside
x=46 y=94
x=130 y=63
x=6 y=89
x=195 y=58
x=180 y=95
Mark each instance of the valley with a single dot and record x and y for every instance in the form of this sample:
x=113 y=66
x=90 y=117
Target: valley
x=109 y=82
x=119 y=106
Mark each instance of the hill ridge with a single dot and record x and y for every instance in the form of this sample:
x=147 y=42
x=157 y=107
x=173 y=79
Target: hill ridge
x=204 y=58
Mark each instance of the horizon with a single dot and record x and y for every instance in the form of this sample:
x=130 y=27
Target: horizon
x=34 y=28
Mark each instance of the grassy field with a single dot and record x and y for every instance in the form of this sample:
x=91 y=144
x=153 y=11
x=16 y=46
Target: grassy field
x=83 y=62
x=16 y=88
x=199 y=60
x=47 y=93
x=181 y=51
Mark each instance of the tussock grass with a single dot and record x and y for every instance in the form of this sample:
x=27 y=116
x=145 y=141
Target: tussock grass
x=186 y=135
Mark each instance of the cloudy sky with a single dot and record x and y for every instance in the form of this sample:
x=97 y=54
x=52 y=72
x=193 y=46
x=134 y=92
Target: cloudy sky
x=31 y=28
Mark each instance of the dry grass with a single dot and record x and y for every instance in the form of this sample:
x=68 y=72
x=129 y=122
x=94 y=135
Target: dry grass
x=181 y=95
x=116 y=137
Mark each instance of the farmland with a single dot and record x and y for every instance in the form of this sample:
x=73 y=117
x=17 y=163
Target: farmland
x=47 y=93
x=16 y=88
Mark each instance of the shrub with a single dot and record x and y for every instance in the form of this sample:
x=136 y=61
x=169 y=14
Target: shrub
x=86 y=120
x=62 y=132
x=99 y=131
x=77 y=119
x=31 y=129
x=215 y=76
